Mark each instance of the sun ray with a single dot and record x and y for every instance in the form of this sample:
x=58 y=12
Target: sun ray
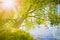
x=10 y=7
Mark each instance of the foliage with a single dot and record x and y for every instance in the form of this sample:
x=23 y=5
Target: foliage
x=9 y=34
x=31 y=12
x=41 y=10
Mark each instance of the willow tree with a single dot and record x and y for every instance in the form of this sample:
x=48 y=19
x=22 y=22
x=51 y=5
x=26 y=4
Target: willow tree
x=28 y=12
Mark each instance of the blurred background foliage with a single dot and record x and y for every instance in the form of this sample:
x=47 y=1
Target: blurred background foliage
x=14 y=34
x=39 y=11
x=31 y=12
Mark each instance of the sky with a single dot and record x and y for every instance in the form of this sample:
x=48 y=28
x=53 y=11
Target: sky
x=58 y=9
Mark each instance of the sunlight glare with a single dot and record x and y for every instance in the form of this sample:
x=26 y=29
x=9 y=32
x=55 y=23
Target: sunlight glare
x=8 y=4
